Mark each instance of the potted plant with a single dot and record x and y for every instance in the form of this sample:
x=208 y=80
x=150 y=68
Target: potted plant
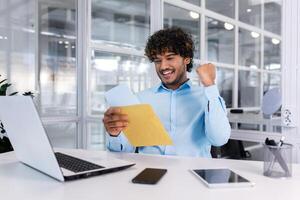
x=5 y=144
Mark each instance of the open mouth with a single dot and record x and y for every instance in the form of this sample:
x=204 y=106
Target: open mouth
x=167 y=74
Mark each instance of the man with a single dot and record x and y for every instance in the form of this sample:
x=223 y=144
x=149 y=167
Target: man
x=194 y=116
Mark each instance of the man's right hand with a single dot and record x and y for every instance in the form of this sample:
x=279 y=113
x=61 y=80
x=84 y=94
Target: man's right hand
x=114 y=121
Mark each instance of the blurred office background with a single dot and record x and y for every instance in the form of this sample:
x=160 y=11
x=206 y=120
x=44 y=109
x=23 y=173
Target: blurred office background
x=68 y=52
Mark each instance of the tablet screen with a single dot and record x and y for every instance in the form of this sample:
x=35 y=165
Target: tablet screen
x=219 y=176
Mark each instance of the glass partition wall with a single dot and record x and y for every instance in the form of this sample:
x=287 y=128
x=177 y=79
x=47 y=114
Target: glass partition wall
x=119 y=30
x=238 y=36
x=38 y=52
x=243 y=39
x=56 y=70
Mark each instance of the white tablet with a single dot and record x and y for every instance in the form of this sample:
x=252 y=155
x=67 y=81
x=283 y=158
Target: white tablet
x=215 y=178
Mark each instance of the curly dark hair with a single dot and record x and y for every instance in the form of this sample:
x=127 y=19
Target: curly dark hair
x=171 y=40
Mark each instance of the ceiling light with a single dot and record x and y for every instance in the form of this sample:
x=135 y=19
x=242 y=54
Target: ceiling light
x=60 y=42
x=70 y=37
x=49 y=33
x=66 y=42
x=28 y=30
x=3 y=37
x=253 y=67
x=73 y=47
x=254 y=34
x=194 y=15
x=249 y=10
x=228 y=26
x=275 y=41
x=105 y=64
x=215 y=22
x=66 y=46
x=274 y=66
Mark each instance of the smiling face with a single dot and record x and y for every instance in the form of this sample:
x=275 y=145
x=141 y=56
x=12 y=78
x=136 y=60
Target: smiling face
x=171 y=69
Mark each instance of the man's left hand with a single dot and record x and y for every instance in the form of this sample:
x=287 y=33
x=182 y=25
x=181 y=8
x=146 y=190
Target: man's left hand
x=207 y=74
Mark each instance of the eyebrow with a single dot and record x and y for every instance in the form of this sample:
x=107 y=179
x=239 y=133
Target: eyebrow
x=171 y=54
x=168 y=54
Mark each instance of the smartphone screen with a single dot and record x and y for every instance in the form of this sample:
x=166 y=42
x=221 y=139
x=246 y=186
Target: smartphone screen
x=149 y=176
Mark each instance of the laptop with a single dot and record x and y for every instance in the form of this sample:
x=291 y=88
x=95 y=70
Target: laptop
x=33 y=148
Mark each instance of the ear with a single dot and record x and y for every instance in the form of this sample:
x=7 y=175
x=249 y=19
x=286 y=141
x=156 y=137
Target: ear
x=187 y=61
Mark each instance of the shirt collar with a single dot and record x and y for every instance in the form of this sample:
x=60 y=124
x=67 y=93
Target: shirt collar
x=160 y=87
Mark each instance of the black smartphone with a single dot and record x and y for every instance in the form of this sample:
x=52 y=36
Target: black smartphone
x=149 y=176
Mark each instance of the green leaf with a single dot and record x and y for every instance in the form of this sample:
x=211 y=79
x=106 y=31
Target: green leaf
x=3 y=81
x=5 y=145
x=5 y=86
x=14 y=93
x=3 y=89
x=28 y=94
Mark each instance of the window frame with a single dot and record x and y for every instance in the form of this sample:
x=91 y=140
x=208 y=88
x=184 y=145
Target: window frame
x=156 y=23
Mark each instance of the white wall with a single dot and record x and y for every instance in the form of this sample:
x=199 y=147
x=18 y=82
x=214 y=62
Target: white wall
x=291 y=72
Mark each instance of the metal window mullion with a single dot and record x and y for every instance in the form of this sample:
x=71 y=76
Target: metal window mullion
x=156 y=15
x=298 y=41
x=239 y=23
x=236 y=58
x=271 y=72
x=58 y=119
x=223 y=65
x=154 y=21
x=298 y=74
x=236 y=87
x=262 y=40
x=221 y=17
x=79 y=55
x=9 y=41
x=261 y=68
x=82 y=65
x=203 y=42
x=207 y=13
x=236 y=9
x=203 y=58
x=185 y=5
x=37 y=48
x=249 y=69
x=87 y=75
x=262 y=15
x=115 y=49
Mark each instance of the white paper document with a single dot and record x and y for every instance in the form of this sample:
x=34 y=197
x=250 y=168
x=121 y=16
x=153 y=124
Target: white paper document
x=121 y=95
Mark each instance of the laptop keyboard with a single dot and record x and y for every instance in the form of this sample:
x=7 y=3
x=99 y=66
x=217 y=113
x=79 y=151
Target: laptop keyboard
x=75 y=164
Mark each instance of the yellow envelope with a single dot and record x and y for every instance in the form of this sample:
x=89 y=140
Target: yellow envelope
x=144 y=128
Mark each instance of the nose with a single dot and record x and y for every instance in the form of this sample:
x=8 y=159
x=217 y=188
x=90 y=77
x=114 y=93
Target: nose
x=164 y=64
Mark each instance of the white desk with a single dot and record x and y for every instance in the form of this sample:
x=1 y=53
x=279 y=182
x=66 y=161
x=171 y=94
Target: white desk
x=256 y=119
x=18 y=181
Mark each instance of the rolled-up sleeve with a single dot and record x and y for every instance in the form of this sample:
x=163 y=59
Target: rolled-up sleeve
x=217 y=127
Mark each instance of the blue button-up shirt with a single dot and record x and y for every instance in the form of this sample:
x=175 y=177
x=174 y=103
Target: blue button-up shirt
x=194 y=116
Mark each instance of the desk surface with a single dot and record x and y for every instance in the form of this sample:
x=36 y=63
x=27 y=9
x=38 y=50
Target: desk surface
x=18 y=181
x=253 y=118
